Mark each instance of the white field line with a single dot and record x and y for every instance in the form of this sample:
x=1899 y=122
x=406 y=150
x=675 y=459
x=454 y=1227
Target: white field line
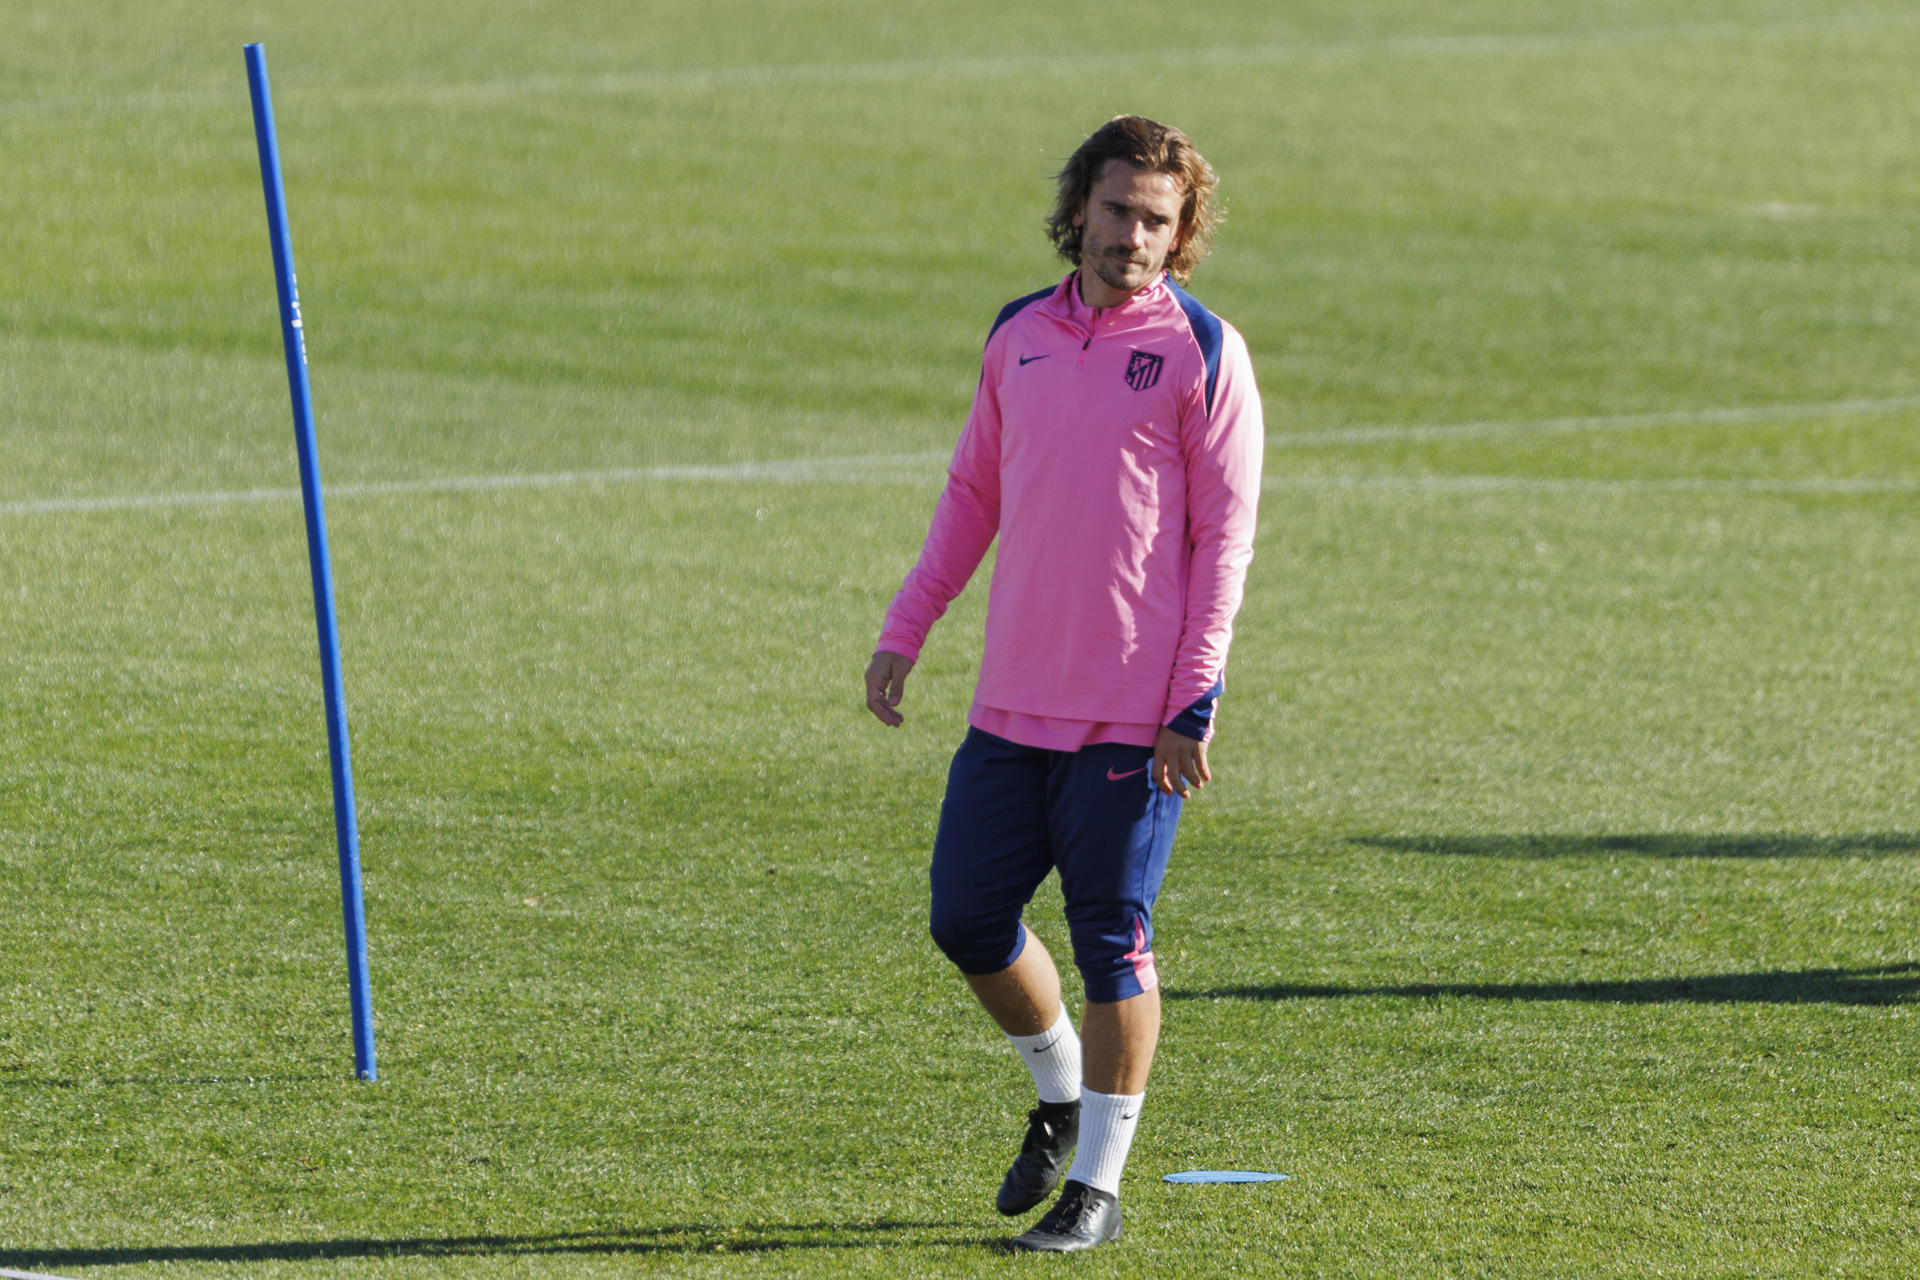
x=1388 y=482
x=862 y=470
x=918 y=468
x=27 y=1275
x=984 y=67
x=1608 y=422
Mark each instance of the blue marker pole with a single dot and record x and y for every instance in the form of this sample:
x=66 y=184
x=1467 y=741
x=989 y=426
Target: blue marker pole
x=346 y=825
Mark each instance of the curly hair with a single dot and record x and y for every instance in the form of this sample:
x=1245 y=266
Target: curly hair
x=1156 y=148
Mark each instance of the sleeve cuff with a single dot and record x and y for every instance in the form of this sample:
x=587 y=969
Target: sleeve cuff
x=900 y=645
x=1196 y=721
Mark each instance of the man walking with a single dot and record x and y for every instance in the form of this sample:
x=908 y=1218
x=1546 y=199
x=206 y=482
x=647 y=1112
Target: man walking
x=1114 y=449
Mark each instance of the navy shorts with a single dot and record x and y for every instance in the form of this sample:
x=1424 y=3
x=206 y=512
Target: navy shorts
x=1014 y=813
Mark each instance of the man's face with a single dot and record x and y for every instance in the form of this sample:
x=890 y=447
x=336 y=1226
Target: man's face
x=1129 y=227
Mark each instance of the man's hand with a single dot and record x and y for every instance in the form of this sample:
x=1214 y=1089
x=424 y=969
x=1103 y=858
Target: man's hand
x=887 y=684
x=1179 y=762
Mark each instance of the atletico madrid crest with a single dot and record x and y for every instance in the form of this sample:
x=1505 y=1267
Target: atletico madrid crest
x=1143 y=370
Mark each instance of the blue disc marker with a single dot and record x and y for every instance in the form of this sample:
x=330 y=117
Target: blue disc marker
x=1225 y=1175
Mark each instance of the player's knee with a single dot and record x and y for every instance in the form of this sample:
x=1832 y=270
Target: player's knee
x=1113 y=952
x=975 y=944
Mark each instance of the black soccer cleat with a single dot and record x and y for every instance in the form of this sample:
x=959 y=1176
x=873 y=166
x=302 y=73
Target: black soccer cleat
x=1082 y=1218
x=1052 y=1129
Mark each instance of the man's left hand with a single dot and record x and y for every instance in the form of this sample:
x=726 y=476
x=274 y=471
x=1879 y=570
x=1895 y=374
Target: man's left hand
x=1179 y=764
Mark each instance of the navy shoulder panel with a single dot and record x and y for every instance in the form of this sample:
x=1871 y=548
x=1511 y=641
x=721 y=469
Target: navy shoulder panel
x=1206 y=331
x=1015 y=307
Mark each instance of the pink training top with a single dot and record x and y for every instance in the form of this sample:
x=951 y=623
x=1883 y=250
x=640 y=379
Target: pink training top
x=1116 y=455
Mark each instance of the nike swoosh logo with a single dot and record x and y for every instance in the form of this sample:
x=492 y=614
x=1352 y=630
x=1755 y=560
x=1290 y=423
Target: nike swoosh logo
x=1115 y=777
x=1129 y=1117
x=1027 y=360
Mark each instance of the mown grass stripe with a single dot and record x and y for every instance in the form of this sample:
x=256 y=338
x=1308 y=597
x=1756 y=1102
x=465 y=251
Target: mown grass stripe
x=975 y=67
x=917 y=469
x=873 y=467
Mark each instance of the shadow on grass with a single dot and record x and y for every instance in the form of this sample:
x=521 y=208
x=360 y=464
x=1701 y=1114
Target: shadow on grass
x=1890 y=984
x=692 y=1238
x=1758 y=844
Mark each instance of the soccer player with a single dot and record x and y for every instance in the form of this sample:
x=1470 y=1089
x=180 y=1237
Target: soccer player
x=1114 y=448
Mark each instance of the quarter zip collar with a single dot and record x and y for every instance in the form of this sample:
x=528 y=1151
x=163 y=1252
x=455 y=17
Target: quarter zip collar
x=1066 y=305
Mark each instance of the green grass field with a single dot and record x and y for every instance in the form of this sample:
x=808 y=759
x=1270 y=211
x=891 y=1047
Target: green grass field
x=1554 y=910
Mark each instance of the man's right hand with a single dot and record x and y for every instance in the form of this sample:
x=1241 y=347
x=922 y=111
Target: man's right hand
x=886 y=684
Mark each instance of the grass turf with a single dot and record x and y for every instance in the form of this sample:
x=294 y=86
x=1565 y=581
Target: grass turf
x=1552 y=914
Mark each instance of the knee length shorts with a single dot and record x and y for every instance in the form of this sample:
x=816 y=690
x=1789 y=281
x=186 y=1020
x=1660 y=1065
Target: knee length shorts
x=1012 y=814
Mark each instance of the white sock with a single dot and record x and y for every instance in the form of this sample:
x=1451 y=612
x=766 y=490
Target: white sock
x=1107 y=1122
x=1053 y=1059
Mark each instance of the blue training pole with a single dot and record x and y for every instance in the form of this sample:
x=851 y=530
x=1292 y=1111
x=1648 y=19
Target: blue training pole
x=346 y=825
